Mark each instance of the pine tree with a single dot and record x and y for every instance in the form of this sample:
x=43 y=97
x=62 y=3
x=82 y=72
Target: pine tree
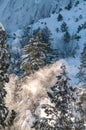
x=60 y=113
x=36 y=56
x=83 y=104
x=81 y=108
x=60 y=17
x=64 y=27
x=69 y=6
x=25 y=36
x=6 y=120
x=82 y=71
x=4 y=64
x=67 y=37
x=44 y=33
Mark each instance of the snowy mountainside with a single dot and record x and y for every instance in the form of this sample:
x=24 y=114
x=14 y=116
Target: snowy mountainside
x=70 y=17
x=74 y=18
x=16 y=14
x=68 y=31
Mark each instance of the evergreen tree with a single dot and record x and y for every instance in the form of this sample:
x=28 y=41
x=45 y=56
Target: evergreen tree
x=4 y=63
x=44 y=33
x=37 y=55
x=82 y=71
x=67 y=37
x=25 y=36
x=5 y=119
x=45 y=37
x=60 y=17
x=81 y=108
x=64 y=27
x=69 y=6
x=60 y=113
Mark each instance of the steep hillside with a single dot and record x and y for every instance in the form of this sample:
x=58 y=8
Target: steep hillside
x=15 y=14
x=63 y=24
x=74 y=18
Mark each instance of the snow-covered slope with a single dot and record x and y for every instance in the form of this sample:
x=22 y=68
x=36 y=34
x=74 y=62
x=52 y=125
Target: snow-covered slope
x=15 y=14
x=74 y=18
x=33 y=89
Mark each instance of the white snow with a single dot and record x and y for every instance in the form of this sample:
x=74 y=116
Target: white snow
x=69 y=16
x=2 y=27
x=17 y=14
